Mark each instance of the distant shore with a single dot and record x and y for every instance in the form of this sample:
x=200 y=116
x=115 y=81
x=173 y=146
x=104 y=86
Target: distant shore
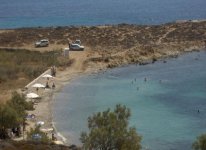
x=99 y=24
x=114 y=44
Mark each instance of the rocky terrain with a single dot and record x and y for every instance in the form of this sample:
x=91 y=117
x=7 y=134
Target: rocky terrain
x=115 y=44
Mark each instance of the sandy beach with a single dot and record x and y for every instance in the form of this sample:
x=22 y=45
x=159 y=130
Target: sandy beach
x=43 y=108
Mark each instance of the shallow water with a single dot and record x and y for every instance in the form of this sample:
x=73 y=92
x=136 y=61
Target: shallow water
x=164 y=108
x=34 y=13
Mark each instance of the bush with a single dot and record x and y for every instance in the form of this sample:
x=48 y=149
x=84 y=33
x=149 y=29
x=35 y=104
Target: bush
x=18 y=102
x=13 y=113
x=200 y=143
x=37 y=135
x=9 y=119
x=109 y=130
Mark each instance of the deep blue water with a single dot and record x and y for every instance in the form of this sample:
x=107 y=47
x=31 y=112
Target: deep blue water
x=33 y=13
x=164 y=108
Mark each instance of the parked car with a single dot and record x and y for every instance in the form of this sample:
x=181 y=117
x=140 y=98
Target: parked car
x=77 y=42
x=76 y=47
x=42 y=43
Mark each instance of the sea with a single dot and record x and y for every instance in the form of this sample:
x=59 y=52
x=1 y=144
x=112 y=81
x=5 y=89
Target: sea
x=41 y=13
x=167 y=101
x=168 y=108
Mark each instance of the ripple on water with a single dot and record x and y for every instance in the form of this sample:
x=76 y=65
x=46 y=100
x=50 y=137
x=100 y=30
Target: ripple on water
x=164 y=107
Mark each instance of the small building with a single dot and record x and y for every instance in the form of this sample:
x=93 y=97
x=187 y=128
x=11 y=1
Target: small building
x=66 y=52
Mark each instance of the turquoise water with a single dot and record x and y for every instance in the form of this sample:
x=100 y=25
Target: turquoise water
x=34 y=13
x=164 y=108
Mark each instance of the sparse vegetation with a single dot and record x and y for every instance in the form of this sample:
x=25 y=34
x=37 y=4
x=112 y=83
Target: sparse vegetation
x=37 y=135
x=135 y=43
x=14 y=63
x=18 y=67
x=12 y=114
x=31 y=145
x=110 y=38
x=200 y=143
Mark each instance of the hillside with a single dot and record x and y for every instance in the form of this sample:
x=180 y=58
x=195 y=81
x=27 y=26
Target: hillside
x=106 y=46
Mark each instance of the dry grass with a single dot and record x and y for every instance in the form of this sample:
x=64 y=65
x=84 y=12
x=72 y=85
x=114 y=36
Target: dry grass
x=110 y=38
x=18 y=67
x=25 y=145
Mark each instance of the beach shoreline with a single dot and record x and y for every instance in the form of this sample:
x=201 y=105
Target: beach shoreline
x=44 y=109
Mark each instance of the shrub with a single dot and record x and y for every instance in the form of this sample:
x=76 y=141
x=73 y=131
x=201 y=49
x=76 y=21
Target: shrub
x=200 y=143
x=109 y=130
x=37 y=135
x=13 y=113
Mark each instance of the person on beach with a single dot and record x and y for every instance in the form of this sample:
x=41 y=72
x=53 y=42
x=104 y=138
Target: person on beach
x=53 y=71
x=53 y=86
x=53 y=137
x=205 y=43
x=37 y=89
x=47 y=85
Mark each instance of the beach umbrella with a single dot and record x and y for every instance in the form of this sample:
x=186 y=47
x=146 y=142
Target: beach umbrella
x=58 y=142
x=47 y=130
x=47 y=76
x=32 y=95
x=40 y=123
x=38 y=85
